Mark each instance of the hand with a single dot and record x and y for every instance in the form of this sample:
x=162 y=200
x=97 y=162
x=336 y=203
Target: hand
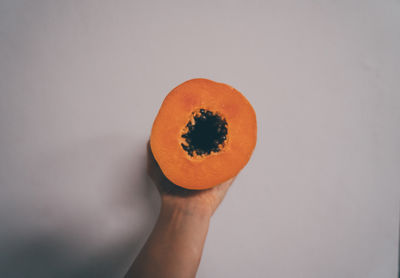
x=193 y=201
x=177 y=235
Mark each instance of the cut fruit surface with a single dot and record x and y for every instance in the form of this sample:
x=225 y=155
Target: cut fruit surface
x=203 y=134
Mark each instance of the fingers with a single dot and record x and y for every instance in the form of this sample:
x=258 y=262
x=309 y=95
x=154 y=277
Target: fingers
x=222 y=189
x=150 y=157
x=153 y=170
x=228 y=183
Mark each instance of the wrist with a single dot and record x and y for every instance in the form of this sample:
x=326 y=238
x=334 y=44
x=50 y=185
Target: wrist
x=185 y=208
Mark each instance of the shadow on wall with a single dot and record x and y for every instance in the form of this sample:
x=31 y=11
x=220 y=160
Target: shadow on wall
x=85 y=212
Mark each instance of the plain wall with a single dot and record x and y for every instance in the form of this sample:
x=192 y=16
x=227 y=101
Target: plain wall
x=81 y=83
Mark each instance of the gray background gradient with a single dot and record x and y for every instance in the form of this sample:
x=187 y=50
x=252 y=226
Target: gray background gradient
x=81 y=83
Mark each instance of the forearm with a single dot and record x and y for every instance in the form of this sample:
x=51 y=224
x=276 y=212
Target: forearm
x=175 y=245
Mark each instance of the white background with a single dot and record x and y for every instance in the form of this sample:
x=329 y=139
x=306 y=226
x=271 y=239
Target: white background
x=81 y=83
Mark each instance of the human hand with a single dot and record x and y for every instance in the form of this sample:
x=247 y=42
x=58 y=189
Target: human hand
x=192 y=201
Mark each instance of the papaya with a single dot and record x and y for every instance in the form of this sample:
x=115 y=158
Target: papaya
x=204 y=134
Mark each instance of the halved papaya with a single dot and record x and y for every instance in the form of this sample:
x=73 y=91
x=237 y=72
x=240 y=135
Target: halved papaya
x=204 y=134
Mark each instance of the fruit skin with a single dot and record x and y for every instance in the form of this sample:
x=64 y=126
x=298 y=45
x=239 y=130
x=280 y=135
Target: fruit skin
x=201 y=172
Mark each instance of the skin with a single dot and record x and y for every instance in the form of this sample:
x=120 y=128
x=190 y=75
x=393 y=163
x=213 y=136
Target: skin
x=175 y=245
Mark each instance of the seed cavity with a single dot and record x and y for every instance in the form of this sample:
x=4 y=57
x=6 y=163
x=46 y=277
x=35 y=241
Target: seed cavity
x=205 y=133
